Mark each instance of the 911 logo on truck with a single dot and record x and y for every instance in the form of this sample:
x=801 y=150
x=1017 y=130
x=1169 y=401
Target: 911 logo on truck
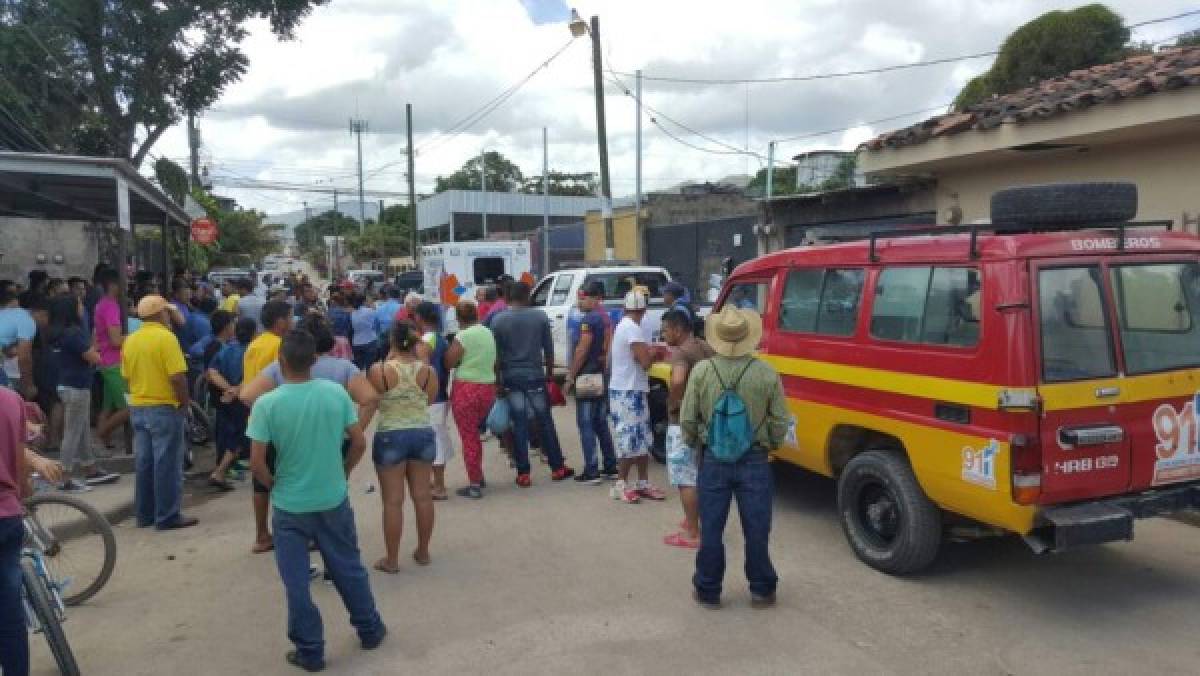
x=1178 y=455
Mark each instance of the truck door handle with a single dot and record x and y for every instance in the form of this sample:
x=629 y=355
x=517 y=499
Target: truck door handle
x=1107 y=392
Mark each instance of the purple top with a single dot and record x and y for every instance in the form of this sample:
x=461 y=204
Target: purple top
x=12 y=442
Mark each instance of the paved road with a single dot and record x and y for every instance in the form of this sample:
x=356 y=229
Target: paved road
x=559 y=579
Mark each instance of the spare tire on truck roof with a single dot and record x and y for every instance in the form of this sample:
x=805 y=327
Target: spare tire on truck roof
x=1065 y=204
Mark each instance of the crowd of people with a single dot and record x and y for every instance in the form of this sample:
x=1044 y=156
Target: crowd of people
x=296 y=379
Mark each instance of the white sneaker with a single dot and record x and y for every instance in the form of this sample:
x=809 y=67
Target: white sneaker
x=616 y=490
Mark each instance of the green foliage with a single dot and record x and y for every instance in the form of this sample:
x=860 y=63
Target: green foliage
x=502 y=175
x=244 y=234
x=1190 y=39
x=172 y=179
x=783 y=182
x=843 y=174
x=1053 y=44
x=95 y=76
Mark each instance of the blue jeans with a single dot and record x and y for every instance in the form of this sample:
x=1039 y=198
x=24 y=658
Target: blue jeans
x=749 y=479
x=333 y=531
x=158 y=449
x=14 y=640
x=525 y=394
x=592 y=417
x=364 y=355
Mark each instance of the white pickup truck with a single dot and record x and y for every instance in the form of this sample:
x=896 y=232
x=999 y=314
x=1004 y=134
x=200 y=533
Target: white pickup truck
x=557 y=293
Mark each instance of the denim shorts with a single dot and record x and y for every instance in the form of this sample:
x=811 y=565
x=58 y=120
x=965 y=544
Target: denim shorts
x=396 y=446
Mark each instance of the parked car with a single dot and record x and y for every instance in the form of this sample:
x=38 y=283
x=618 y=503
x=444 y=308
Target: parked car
x=1036 y=376
x=360 y=278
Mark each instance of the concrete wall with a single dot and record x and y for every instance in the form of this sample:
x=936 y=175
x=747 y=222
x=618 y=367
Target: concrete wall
x=22 y=239
x=1164 y=170
x=661 y=209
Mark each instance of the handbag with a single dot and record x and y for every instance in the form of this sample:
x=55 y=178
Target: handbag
x=589 y=385
x=554 y=394
x=499 y=419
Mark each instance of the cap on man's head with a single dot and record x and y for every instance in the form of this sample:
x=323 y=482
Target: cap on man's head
x=151 y=305
x=635 y=300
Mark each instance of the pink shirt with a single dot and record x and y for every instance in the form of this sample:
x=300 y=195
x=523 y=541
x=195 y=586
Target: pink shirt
x=12 y=442
x=108 y=313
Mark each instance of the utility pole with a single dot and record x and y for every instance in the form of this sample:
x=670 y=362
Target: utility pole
x=412 y=188
x=335 y=202
x=637 y=167
x=770 y=171
x=357 y=127
x=483 y=185
x=193 y=149
x=602 y=141
x=307 y=220
x=545 y=205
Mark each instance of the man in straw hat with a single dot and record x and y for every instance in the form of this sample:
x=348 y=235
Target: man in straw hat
x=733 y=334
x=154 y=366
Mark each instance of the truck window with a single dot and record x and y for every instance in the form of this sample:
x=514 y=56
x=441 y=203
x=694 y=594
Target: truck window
x=935 y=306
x=487 y=269
x=617 y=284
x=748 y=296
x=821 y=301
x=541 y=293
x=1075 y=335
x=562 y=289
x=1155 y=305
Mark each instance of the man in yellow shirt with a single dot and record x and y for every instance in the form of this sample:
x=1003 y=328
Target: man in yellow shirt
x=153 y=365
x=230 y=295
x=262 y=352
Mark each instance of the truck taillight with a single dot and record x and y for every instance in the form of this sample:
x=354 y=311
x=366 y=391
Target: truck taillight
x=1026 y=469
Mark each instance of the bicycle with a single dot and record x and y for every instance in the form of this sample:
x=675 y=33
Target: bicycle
x=45 y=609
x=75 y=543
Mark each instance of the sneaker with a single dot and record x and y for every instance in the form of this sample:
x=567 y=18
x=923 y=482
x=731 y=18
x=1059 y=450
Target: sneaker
x=762 y=601
x=711 y=604
x=561 y=473
x=471 y=491
x=620 y=492
x=101 y=476
x=524 y=481
x=650 y=491
x=610 y=474
x=591 y=477
x=73 y=486
x=374 y=641
x=311 y=666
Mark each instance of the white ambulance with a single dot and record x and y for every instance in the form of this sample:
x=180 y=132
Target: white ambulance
x=453 y=270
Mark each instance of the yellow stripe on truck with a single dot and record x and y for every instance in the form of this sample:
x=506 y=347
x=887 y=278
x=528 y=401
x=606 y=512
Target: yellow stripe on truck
x=1129 y=390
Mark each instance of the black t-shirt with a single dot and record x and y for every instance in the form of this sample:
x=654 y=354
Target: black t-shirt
x=68 y=348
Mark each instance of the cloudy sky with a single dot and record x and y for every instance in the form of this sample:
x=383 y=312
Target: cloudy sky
x=287 y=120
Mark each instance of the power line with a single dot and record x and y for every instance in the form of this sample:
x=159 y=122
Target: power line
x=891 y=118
x=865 y=71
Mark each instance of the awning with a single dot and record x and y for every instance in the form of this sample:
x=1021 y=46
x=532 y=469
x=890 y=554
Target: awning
x=68 y=187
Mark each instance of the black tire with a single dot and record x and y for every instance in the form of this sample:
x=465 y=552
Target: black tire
x=199 y=427
x=890 y=524
x=89 y=523
x=1065 y=204
x=47 y=615
x=656 y=400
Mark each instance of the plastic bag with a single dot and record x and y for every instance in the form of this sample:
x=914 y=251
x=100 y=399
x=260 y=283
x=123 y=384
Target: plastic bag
x=499 y=419
x=554 y=394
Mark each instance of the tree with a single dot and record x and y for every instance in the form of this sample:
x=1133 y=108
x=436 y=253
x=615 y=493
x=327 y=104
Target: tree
x=502 y=175
x=244 y=233
x=1053 y=44
x=310 y=234
x=563 y=183
x=783 y=182
x=172 y=179
x=843 y=174
x=108 y=77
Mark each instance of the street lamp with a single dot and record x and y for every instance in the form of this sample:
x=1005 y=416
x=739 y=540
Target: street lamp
x=578 y=27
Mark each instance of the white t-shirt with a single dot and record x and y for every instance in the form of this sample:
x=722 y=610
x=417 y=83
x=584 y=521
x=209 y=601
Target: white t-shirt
x=627 y=374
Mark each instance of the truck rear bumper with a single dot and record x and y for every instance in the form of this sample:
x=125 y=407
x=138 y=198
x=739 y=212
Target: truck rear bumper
x=1108 y=520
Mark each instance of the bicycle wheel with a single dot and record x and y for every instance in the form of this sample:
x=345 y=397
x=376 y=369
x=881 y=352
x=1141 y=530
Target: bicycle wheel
x=47 y=615
x=77 y=543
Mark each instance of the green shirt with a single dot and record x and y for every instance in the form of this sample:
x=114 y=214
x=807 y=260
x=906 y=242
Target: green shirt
x=760 y=388
x=306 y=422
x=478 y=363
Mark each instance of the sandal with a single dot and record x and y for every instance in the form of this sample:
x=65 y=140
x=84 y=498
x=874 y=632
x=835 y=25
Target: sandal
x=382 y=566
x=439 y=496
x=682 y=541
x=263 y=547
x=421 y=561
x=222 y=485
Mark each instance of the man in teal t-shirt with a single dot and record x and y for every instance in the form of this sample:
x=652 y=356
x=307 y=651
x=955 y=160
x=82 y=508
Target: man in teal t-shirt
x=305 y=420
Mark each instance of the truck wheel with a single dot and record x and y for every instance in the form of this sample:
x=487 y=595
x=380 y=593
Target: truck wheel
x=888 y=521
x=1065 y=204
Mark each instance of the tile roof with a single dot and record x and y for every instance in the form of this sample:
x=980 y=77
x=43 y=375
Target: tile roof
x=1109 y=82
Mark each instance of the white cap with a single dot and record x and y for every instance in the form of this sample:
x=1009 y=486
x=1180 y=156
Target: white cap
x=634 y=300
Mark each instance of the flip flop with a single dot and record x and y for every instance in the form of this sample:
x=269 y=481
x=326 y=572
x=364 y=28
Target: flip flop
x=220 y=484
x=439 y=497
x=384 y=568
x=682 y=541
x=262 y=547
x=421 y=562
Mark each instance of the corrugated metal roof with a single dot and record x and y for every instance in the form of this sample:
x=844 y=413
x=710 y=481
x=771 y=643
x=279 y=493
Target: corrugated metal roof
x=435 y=211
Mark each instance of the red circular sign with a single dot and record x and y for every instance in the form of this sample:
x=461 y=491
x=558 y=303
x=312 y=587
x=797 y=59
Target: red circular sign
x=204 y=231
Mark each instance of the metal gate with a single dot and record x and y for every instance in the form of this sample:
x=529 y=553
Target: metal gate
x=693 y=252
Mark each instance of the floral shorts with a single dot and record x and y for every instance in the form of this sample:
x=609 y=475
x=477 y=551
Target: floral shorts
x=681 y=459
x=630 y=418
